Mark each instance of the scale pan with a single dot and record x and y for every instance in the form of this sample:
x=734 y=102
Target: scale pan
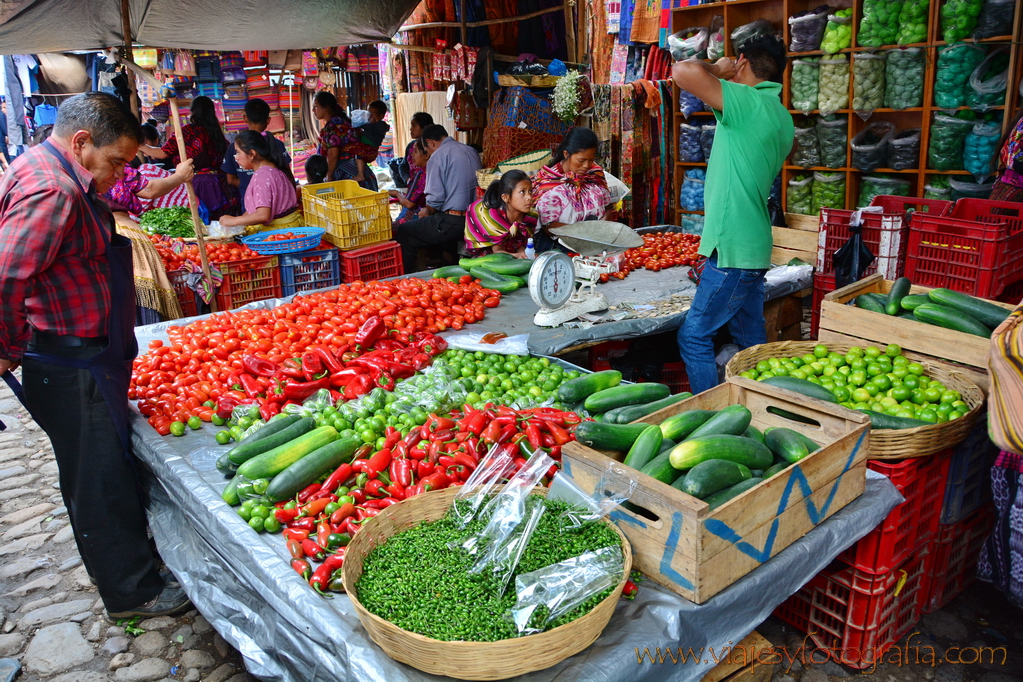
x=593 y=237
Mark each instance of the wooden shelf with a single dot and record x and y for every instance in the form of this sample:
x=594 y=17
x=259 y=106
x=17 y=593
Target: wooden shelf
x=817 y=112
x=690 y=163
x=682 y=210
x=996 y=39
x=928 y=171
x=814 y=53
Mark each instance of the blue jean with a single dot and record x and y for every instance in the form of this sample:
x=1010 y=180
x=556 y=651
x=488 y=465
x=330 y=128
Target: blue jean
x=731 y=296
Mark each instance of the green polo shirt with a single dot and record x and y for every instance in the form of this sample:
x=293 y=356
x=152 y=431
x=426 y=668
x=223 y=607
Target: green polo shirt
x=754 y=135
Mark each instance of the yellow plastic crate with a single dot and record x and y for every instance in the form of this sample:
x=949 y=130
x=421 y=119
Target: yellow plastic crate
x=352 y=216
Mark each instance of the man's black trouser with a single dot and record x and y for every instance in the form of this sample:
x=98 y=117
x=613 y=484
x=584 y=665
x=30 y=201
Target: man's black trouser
x=97 y=479
x=439 y=228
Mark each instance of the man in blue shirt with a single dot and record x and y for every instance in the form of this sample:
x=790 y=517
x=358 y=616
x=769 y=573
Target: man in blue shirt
x=257 y=117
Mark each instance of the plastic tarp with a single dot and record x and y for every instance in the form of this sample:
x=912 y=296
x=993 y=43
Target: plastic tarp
x=34 y=26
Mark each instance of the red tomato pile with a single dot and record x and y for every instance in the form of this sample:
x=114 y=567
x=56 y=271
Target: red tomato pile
x=663 y=250
x=172 y=382
x=216 y=252
x=284 y=236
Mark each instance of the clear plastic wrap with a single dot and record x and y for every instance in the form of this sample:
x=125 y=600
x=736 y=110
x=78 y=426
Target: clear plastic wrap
x=691 y=197
x=834 y=84
x=937 y=187
x=314 y=404
x=962 y=189
x=805 y=84
x=807 y=29
x=868 y=82
x=747 y=32
x=509 y=345
x=689 y=149
x=838 y=34
x=689 y=104
x=870 y=146
x=947 y=137
x=832 y=138
x=955 y=64
x=913 y=22
x=716 y=41
x=484 y=481
x=879 y=24
x=799 y=196
x=958 y=18
x=828 y=191
x=904 y=78
x=587 y=506
x=995 y=19
x=980 y=149
x=707 y=139
x=692 y=224
x=876 y=185
x=988 y=82
x=691 y=42
x=904 y=150
x=807 y=153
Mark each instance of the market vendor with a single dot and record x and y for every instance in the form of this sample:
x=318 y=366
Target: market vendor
x=572 y=188
x=339 y=142
x=414 y=198
x=67 y=313
x=502 y=221
x=149 y=186
x=1009 y=186
x=754 y=135
x=205 y=144
x=270 y=200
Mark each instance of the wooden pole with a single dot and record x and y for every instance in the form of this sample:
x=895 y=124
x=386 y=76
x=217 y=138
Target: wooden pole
x=464 y=27
x=133 y=98
x=570 y=39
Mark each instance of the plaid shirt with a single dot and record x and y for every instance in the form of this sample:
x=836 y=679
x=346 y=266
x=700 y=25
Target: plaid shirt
x=53 y=270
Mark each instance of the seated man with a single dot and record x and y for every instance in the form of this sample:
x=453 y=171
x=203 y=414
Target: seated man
x=450 y=188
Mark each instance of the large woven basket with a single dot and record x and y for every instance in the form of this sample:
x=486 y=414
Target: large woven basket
x=467 y=660
x=887 y=443
x=485 y=176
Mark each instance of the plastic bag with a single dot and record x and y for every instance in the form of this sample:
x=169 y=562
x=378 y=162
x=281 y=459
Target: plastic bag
x=947 y=137
x=879 y=24
x=828 y=191
x=472 y=341
x=691 y=197
x=913 y=22
x=690 y=42
x=749 y=31
x=805 y=84
x=904 y=78
x=479 y=487
x=807 y=29
x=807 y=153
x=689 y=104
x=876 y=185
x=955 y=64
x=958 y=18
x=798 y=198
x=692 y=224
x=995 y=19
x=312 y=405
x=852 y=258
x=970 y=190
x=904 y=150
x=834 y=84
x=980 y=149
x=868 y=82
x=587 y=506
x=938 y=188
x=832 y=136
x=716 y=41
x=707 y=139
x=838 y=34
x=870 y=146
x=689 y=149
x=989 y=81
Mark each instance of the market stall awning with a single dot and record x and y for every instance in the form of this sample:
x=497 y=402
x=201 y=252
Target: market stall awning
x=34 y=26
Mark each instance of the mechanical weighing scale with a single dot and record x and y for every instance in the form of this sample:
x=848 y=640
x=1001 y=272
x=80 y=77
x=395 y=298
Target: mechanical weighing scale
x=554 y=276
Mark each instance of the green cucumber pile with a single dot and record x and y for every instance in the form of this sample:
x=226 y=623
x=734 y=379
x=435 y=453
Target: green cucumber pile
x=713 y=455
x=600 y=395
x=941 y=307
x=498 y=271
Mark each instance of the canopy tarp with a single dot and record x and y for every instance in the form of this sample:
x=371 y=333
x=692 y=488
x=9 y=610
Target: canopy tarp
x=35 y=26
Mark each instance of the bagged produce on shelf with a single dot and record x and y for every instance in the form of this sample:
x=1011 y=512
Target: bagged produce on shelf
x=980 y=149
x=828 y=191
x=988 y=82
x=716 y=45
x=691 y=198
x=913 y=22
x=870 y=146
x=707 y=139
x=689 y=149
x=955 y=64
x=692 y=224
x=691 y=42
x=879 y=24
x=904 y=78
x=834 y=84
x=995 y=19
x=746 y=32
x=958 y=18
x=838 y=34
x=964 y=189
x=937 y=187
x=805 y=84
x=868 y=82
x=832 y=138
x=807 y=29
x=807 y=153
x=689 y=104
x=798 y=197
x=947 y=137
x=904 y=150
x=876 y=185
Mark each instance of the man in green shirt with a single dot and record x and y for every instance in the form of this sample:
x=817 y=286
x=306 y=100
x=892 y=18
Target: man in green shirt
x=754 y=135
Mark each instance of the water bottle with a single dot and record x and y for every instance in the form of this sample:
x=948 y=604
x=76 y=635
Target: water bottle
x=530 y=251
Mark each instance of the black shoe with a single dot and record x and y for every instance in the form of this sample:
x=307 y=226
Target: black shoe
x=168 y=579
x=171 y=601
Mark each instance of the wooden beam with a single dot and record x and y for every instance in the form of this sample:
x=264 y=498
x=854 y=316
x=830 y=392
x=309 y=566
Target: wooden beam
x=570 y=37
x=486 y=22
x=133 y=98
x=464 y=27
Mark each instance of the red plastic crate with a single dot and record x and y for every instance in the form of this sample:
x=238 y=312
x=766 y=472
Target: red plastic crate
x=822 y=284
x=372 y=262
x=186 y=297
x=921 y=480
x=674 y=376
x=987 y=211
x=602 y=353
x=248 y=280
x=309 y=270
x=954 y=551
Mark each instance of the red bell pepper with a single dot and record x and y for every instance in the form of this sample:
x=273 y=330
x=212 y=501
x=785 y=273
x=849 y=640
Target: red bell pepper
x=371 y=330
x=388 y=344
x=312 y=365
x=345 y=376
x=258 y=366
x=329 y=360
x=292 y=368
x=383 y=379
x=249 y=385
x=358 y=386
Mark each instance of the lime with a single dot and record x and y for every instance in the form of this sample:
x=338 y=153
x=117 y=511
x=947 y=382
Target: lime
x=861 y=406
x=765 y=375
x=217 y=420
x=177 y=428
x=871 y=389
x=842 y=393
x=861 y=395
x=271 y=524
x=933 y=394
x=911 y=381
x=917 y=397
x=871 y=351
x=809 y=359
x=817 y=367
x=950 y=397
x=927 y=414
x=256 y=524
x=224 y=437
x=900 y=360
x=820 y=350
x=906 y=413
x=874 y=369
x=915 y=368
x=748 y=374
x=882 y=382
x=954 y=414
x=893 y=350
x=260 y=510
x=245 y=512
x=858 y=377
x=900 y=393
x=889 y=401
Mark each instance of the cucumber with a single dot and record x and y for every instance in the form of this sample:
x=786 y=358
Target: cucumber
x=311 y=467
x=449 y=271
x=899 y=290
x=631 y=413
x=757 y=473
x=775 y=469
x=248 y=449
x=271 y=427
x=577 y=390
x=950 y=318
x=733 y=421
x=615 y=437
x=646 y=447
x=280 y=458
x=620 y=396
x=713 y=475
x=611 y=416
x=906 y=314
x=807 y=388
x=226 y=466
x=515 y=266
x=660 y=468
x=746 y=451
x=754 y=433
x=911 y=301
x=718 y=499
x=230 y=494
x=880 y=420
x=470 y=263
x=791 y=415
x=787 y=444
x=811 y=444
x=986 y=313
x=870 y=303
x=880 y=298
x=492 y=280
x=679 y=426
x=666 y=444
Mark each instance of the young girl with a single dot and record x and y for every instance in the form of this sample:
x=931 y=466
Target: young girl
x=270 y=201
x=502 y=219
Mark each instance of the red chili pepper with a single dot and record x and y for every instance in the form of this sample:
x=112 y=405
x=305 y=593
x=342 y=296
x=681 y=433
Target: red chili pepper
x=458 y=472
x=312 y=366
x=560 y=435
x=445 y=461
x=547 y=440
x=292 y=369
x=308 y=492
x=297 y=392
x=303 y=523
x=285 y=515
x=258 y=366
x=630 y=590
x=342 y=513
x=436 y=423
x=379 y=461
x=386 y=502
x=442 y=436
x=433 y=452
x=295 y=549
x=313 y=508
x=324 y=494
x=466 y=460
x=507 y=433
x=358 y=495
x=250 y=385
x=435 y=481
x=266 y=412
x=396 y=490
x=320 y=579
x=476 y=423
x=491 y=433
x=312 y=550
x=371 y=330
x=374 y=488
x=417 y=489
x=412 y=438
x=328 y=358
x=424 y=469
x=295 y=534
x=322 y=533
x=369 y=513
x=401 y=472
x=533 y=434
x=418 y=453
x=555 y=452
x=301 y=566
x=339 y=476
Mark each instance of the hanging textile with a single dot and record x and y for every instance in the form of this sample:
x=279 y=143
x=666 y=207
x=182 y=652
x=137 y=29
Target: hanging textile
x=625 y=24
x=504 y=38
x=613 y=9
x=619 y=63
x=601 y=123
x=544 y=34
x=602 y=42
x=646 y=21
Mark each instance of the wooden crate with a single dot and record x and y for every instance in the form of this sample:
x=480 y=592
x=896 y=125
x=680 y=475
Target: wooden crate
x=791 y=242
x=756 y=668
x=849 y=324
x=783 y=316
x=679 y=543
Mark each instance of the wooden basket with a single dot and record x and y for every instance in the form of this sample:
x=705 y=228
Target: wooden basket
x=887 y=443
x=467 y=660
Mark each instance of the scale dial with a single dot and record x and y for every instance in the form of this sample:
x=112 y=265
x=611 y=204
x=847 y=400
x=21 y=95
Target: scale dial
x=552 y=280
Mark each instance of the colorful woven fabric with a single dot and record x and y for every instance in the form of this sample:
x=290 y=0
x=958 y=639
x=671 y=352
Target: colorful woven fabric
x=1001 y=557
x=613 y=8
x=232 y=60
x=486 y=228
